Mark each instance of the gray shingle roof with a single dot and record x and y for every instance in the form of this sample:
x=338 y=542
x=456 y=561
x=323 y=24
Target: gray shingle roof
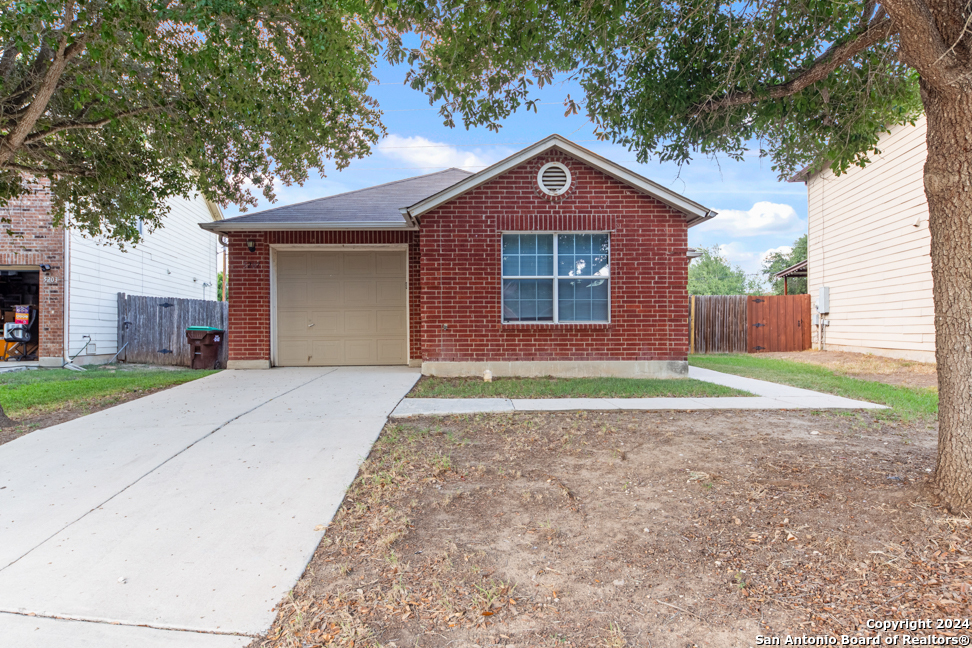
x=376 y=205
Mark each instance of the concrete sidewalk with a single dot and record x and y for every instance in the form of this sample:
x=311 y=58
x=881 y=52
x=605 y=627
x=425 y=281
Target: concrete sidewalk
x=768 y=396
x=191 y=511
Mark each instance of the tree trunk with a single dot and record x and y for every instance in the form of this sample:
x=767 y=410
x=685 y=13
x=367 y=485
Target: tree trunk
x=948 y=188
x=6 y=421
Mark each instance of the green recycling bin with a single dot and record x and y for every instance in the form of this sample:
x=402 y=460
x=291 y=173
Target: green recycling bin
x=205 y=342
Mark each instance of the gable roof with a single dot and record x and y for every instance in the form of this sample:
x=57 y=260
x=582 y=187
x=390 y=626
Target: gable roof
x=694 y=212
x=371 y=208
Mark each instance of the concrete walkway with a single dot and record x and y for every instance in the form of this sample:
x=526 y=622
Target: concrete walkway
x=191 y=511
x=768 y=396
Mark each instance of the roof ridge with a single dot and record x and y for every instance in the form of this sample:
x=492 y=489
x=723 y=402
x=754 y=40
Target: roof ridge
x=354 y=191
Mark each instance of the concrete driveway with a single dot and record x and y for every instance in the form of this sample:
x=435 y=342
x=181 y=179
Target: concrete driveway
x=182 y=518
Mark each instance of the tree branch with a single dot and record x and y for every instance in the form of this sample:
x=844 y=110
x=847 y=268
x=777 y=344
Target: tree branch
x=79 y=172
x=76 y=125
x=835 y=56
x=7 y=61
x=10 y=144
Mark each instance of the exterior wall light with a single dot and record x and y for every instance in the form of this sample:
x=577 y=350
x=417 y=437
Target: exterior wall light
x=251 y=245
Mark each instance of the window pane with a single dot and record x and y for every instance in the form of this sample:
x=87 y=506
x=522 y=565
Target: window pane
x=528 y=266
x=583 y=300
x=582 y=243
x=582 y=255
x=511 y=244
x=528 y=243
x=600 y=311
x=522 y=259
x=511 y=266
x=545 y=265
x=545 y=244
x=527 y=300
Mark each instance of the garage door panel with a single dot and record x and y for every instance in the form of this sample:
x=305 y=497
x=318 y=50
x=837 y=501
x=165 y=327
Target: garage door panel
x=327 y=352
x=389 y=292
x=292 y=294
x=324 y=265
x=294 y=353
x=341 y=308
x=327 y=323
x=359 y=322
x=359 y=293
x=390 y=263
x=359 y=264
x=390 y=351
x=292 y=323
x=328 y=293
x=359 y=352
x=292 y=265
x=389 y=322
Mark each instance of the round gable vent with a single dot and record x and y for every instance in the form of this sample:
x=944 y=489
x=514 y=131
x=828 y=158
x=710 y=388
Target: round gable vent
x=554 y=178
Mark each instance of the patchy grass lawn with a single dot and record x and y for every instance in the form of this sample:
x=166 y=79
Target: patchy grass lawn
x=867 y=366
x=42 y=397
x=906 y=402
x=431 y=387
x=661 y=529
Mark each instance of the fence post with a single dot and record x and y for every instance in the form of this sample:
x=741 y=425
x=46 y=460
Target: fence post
x=692 y=325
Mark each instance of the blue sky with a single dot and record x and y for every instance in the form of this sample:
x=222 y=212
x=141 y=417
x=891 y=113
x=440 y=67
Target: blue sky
x=758 y=213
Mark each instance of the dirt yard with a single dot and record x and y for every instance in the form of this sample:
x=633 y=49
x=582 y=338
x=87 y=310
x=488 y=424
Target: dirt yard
x=868 y=367
x=662 y=529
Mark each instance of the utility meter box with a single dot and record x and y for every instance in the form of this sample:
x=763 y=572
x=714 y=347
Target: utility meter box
x=823 y=300
x=816 y=319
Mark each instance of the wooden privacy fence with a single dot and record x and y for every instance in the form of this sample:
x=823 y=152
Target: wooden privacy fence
x=741 y=324
x=718 y=323
x=153 y=329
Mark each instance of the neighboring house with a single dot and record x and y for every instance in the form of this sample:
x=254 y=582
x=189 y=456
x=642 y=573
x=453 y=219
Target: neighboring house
x=869 y=243
x=554 y=261
x=73 y=282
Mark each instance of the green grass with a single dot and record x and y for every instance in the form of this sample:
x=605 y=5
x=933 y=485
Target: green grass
x=47 y=389
x=568 y=388
x=906 y=402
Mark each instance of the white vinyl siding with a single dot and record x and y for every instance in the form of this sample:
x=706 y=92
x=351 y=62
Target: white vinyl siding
x=175 y=260
x=864 y=245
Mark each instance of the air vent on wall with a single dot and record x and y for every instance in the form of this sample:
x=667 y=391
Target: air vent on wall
x=554 y=178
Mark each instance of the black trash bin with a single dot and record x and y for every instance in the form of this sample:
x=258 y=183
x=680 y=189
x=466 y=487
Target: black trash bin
x=205 y=342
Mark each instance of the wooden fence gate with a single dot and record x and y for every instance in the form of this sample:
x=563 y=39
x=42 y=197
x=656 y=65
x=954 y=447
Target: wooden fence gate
x=741 y=324
x=778 y=323
x=153 y=329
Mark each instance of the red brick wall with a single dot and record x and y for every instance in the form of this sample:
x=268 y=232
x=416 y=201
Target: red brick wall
x=36 y=241
x=461 y=271
x=249 y=284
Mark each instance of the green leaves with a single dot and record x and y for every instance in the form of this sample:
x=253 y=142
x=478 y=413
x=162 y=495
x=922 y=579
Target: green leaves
x=649 y=70
x=224 y=98
x=711 y=274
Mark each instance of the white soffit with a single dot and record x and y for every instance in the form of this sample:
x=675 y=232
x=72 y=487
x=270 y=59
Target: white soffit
x=694 y=212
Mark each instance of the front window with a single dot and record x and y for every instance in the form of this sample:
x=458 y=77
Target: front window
x=556 y=277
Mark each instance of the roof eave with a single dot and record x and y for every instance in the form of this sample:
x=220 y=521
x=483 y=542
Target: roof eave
x=694 y=212
x=224 y=227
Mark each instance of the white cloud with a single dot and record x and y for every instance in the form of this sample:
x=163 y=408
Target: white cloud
x=783 y=249
x=420 y=152
x=763 y=218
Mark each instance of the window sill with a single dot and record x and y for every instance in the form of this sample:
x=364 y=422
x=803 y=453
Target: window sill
x=589 y=326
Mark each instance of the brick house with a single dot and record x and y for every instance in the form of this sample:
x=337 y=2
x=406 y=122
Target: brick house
x=70 y=282
x=554 y=261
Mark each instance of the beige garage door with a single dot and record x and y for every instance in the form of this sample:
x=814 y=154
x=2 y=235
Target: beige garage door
x=341 y=308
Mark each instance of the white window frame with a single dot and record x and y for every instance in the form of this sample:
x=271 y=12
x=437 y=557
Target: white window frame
x=555 y=278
